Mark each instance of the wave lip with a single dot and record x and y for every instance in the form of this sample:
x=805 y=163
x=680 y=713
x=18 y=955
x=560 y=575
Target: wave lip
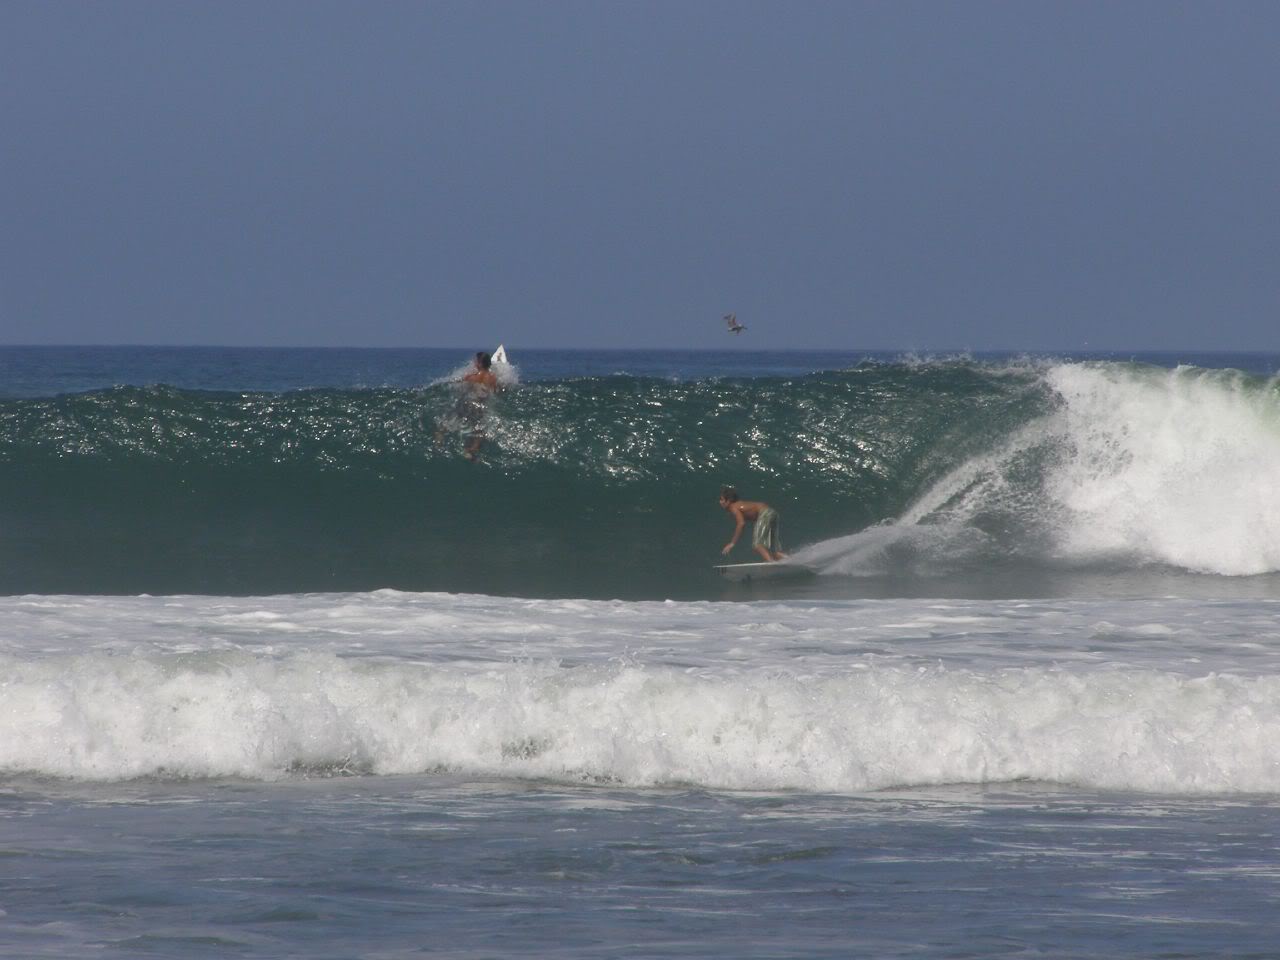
x=1177 y=467
x=1130 y=466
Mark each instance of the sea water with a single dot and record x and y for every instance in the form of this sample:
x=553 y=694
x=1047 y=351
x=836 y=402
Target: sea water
x=279 y=676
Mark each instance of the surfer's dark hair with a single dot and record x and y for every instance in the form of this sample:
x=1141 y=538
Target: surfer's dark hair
x=484 y=359
x=730 y=494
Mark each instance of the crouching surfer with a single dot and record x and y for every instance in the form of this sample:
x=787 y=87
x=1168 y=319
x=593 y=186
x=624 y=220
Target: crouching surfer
x=764 y=535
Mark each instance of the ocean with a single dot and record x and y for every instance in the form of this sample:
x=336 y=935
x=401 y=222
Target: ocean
x=283 y=674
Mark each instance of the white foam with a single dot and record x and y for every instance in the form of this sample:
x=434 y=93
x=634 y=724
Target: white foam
x=1170 y=696
x=508 y=374
x=1178 y=467
x=109 y=718
x=1136 y=465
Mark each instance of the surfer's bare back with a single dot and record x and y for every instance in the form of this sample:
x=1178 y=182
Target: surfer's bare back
x=764 y=535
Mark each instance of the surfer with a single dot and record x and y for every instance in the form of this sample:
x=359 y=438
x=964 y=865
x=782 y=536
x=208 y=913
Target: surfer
x=764 y=535
x=474 y=391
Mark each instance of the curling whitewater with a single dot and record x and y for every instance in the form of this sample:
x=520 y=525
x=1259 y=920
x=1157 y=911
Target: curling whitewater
x=1127 y=467
x=1173 y=697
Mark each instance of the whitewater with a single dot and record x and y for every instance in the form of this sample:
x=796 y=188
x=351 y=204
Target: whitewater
x=1168 y=696
x=265 y=692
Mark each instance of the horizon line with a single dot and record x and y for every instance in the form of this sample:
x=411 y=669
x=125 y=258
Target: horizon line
x=580 y=349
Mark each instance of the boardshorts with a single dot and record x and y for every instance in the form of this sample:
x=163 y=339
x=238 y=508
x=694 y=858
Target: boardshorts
x=765 y=532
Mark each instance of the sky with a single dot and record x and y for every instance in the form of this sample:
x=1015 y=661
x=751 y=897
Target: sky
x=608 y=174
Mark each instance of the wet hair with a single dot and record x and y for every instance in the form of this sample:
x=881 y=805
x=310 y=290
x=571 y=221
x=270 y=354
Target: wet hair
x=729 y=494
x=484 y=359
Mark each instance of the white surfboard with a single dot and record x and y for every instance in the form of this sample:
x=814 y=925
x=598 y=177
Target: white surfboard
x=499 y=355
x=778 y=570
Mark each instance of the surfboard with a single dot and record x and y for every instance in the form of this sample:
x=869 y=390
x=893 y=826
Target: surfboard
x=778 y=570
x=499 y=355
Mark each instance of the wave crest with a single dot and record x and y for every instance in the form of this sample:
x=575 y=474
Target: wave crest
x=1084 y=465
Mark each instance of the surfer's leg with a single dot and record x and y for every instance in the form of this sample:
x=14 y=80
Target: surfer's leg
x=445 y=425
x=764 y=536
x=775 y=539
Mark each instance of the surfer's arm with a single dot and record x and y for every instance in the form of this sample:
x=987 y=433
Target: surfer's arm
x=737 y=531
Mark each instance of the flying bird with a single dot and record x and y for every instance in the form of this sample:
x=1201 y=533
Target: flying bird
x=732 y=320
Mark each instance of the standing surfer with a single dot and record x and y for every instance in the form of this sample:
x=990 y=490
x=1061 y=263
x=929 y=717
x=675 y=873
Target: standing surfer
x=764 y=535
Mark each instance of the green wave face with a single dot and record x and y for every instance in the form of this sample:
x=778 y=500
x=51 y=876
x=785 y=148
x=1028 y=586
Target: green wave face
x=597 y=487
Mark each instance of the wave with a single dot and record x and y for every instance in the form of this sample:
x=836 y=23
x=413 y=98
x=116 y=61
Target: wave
x=234 y=714
x=1134 y=465
x=606 y=486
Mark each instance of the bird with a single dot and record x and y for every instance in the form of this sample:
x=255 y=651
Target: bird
x=732 y=320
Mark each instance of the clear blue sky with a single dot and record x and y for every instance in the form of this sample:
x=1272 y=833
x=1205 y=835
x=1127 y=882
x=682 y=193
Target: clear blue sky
x=1013 y=175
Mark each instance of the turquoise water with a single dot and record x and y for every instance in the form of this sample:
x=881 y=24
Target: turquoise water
x=990 y=471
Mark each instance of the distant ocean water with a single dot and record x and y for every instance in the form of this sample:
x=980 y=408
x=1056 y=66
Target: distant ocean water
x=281 y=676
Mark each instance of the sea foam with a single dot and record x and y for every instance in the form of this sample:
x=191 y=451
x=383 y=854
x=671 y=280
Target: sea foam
x=1166 y=696
x=1133 y=465
x=1174 y=466
x=106 y=718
